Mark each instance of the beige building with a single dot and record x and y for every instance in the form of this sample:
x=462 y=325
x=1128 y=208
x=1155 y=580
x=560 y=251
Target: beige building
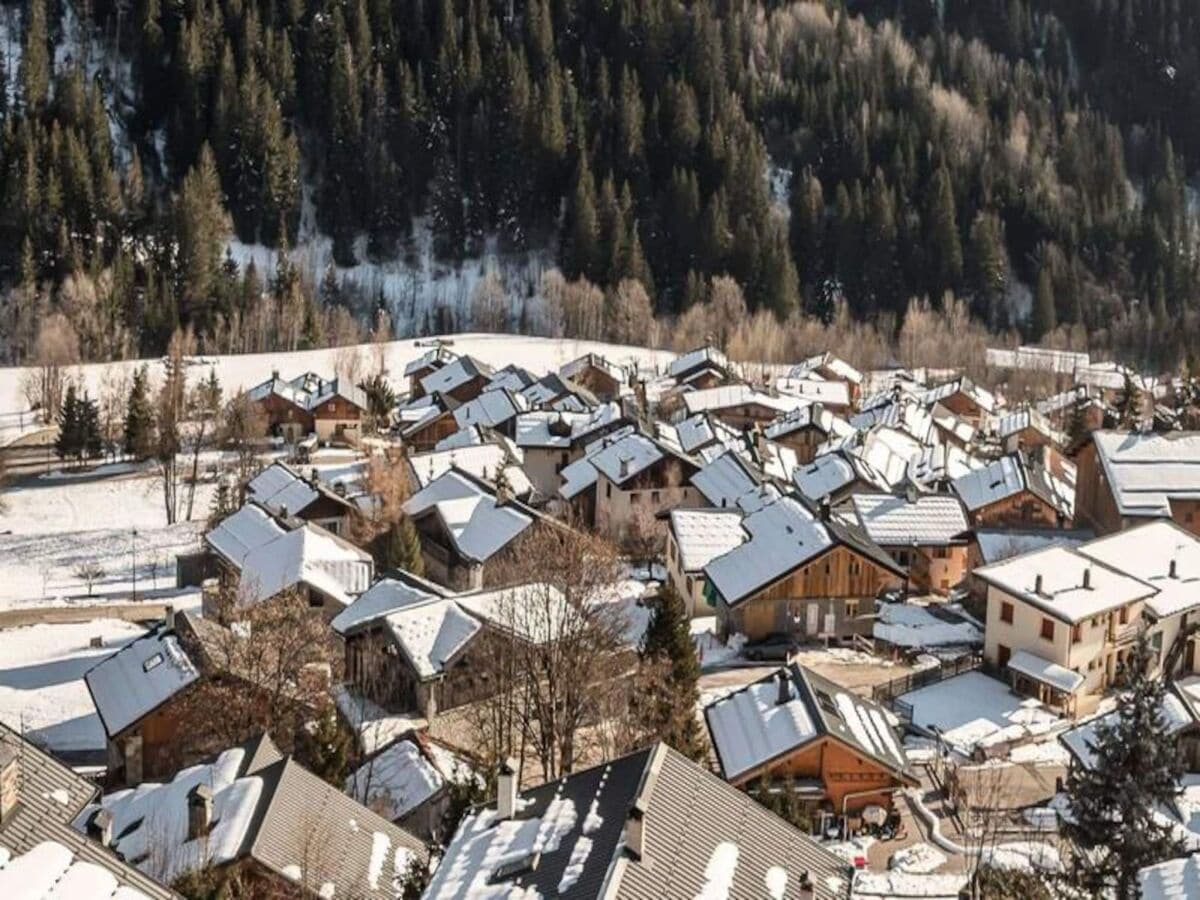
x=1062 y=620
x=694 y=539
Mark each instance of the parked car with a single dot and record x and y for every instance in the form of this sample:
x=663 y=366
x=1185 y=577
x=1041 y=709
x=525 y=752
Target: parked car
x=773 y=647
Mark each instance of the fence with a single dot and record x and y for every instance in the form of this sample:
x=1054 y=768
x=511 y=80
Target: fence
x=888 y=692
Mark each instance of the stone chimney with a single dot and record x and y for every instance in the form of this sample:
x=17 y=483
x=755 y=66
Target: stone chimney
x=785 y=687
x=807 y=888
x=99 y=827
x=200 y=811
x=10 y=781
x=506 y=790
x=635 y=829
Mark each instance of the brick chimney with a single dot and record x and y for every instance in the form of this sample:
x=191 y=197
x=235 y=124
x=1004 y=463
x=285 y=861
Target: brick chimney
x=199 y=811
x=10 y=781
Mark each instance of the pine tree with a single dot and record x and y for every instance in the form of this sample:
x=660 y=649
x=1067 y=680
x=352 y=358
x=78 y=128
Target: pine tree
x=35 y=57
x=1114 y=823
x=583 y=246
x=399 y=548
x=945 y=249
x=139 y=417
x=1129 y=404
x=91 y=441
x=1045 y=320
x=69 y=442
x=666 y=708
x=201 y=225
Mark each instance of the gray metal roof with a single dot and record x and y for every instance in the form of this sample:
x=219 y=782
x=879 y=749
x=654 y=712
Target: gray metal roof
x=51 y=796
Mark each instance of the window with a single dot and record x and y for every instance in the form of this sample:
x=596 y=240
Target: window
x=1006 y=612
x=851 y=609
x=1076 y=634
x=654 y=496
x=855 y=567
x=153 y=662
x=1047 y=629
x=1002 y=655
x=608 y=490
x=1123 y=615
x=635 y=498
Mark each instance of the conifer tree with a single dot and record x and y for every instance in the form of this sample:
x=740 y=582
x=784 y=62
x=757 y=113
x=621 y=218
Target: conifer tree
x=91 y=441
x=666 y=707
x=945 y=249
x=139 y=417
x=1114 y=822
x=70 y=440
x=1045 y=320
x=35 y=57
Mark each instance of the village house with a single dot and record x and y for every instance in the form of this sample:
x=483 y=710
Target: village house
x=622 y=485
x=697 y=434
x=606 y=380
x=651 y=824
x=1026 y=429
x=551 y=441
x=739 y=405
x=308 y=404
x=840 y=751
x=964 y=398
x=259 y=813
x=1125 y=478
x=557 y=393
x=285 y=492
x=495 y=409
x=833 y=395
x=800 y=573
x=428 y=421
x=1014 y=491
x=694 y=539
x=700 y=369
x=42 y=855
x=257 y=556
x=927 y=534
x=837 y=475
x=831 y=368
x=487 y=461
x=467 y=526
x=804 y=430
x=730 y=481
x=426 y=364
x=461 y=379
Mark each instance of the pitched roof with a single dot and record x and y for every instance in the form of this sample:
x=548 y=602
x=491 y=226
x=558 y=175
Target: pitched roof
x=307 y=555
x=701 y=357
x=490 y=409
x=750 y=727
x=724 y=480
x=704 y=534
x=394 y=591
x=1163 y=555
x=730 y=395
x=454 y=374
x=1175 y=879
x=396 y=780
x=815 y=390
x=483 y=461
x=243 y=531
x=563 y=429
x=929 y=519
x=477 y=523
x=835 y=366
x=436 y=358
x=1146 y=471
x=813 y=415
x=139 y=678
x=55 y=871
x=1008 y=476
x=697 y=830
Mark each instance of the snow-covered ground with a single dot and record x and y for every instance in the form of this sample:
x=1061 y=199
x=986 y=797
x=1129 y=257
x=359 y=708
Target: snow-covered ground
x=52 y=530
x=913 y=626
x=41 y=681
x=973 y=710
x=539 y=355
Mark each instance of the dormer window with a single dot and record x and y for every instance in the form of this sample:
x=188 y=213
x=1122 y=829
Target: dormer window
x=152 y=663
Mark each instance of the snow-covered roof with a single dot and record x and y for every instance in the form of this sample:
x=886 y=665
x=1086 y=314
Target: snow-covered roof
x=704 y=534
x=388 y=594
x=1063 y=573
x=1010 y=475
x=138 y=678
x=562 y=429
x=783 y=535
x=396 y=780
x=483 y=461
x=930 y=519
x=730 y=395
x=452 y=375
x=438 y=356
x=1037 y=359
x=833 y=366
x=279 y=487
x=627 y=457
x=431 y=633
x=490 y=409
x=824 y=476
x=473 y=519
x=1043 y=670
x=996 y=544
x=594 y=360
x=702 y=430
x=695 y=359
x=1175 y=879
x=241 y=532
x=815 y=390
x=52 y=871
x=724 y=480
x=307 y=555
x=1146 y=471
x=952 y=424
x=150 y=822
x=1018 y=420
x=814 y=415
x=512 y=378
x=965 y=386
x=1161 y=554
x=752 y=727
x=1081 y=741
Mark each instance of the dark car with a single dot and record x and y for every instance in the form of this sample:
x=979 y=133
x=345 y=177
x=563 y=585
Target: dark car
x=773 y=647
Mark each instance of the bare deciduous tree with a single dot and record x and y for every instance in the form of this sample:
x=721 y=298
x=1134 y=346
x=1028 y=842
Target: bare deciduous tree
x=56 y=347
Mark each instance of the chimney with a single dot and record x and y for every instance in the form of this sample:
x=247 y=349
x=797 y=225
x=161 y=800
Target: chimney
x=10 y=781
x=99 y=827
x=96 y=642
x=825 y=509
x=624 y=467
x=274 y=374
x=635 y=829
x=506 y=790
x=312 y=475
x=1087 y=578
x=200 y=809
x=785 y=687
x=1172 y=571
x=1037 y=585
x=808 y=890
x=283 y=512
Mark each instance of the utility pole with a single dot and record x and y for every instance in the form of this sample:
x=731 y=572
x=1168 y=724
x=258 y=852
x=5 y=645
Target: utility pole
x=133 y=568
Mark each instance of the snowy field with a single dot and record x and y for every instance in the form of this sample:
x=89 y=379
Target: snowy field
x=972 y=710
x=51 y=530
x=539 y=355
x=41 y=681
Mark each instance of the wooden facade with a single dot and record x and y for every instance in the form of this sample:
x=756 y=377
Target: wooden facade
x=1096 y=507
x=285 y=419
x=831 y=596
x=1025 y=509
